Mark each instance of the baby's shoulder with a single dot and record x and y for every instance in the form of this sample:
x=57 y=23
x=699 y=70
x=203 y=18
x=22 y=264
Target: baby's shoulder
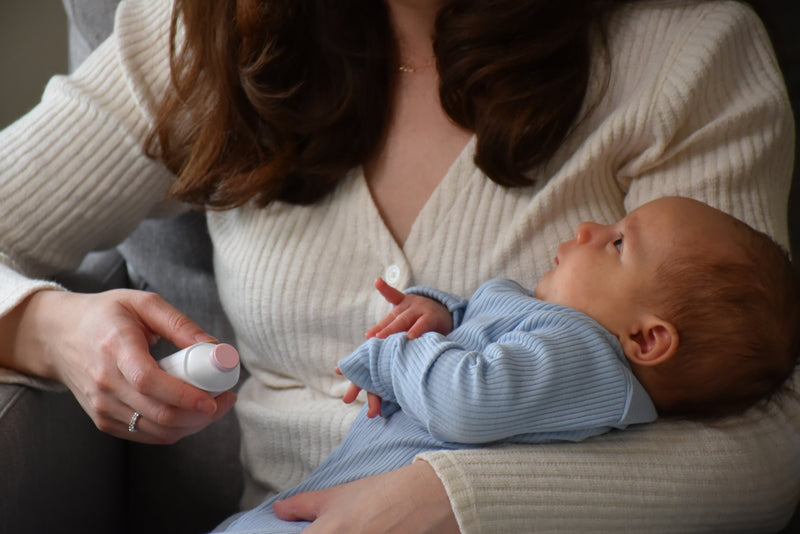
x=502 y=295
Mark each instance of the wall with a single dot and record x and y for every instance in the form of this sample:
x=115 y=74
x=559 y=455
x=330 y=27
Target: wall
x=33 y=47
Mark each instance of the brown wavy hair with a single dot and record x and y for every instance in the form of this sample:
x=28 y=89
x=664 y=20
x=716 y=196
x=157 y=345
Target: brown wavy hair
x=738 y=320
x=278 y=99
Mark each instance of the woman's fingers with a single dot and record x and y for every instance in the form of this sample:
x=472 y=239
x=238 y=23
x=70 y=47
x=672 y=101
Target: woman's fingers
x=164 y=320
x=148 y=380
x=408 y=500
x=146 y=315
x=98 y=346
x=112 y=405
x=150 y=430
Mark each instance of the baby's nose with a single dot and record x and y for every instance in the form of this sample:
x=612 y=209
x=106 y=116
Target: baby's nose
x=585 y=231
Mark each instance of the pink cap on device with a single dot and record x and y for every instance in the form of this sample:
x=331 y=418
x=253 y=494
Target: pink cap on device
x=224 y=357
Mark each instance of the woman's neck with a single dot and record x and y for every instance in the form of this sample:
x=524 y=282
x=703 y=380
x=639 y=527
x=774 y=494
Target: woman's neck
x=413 y=22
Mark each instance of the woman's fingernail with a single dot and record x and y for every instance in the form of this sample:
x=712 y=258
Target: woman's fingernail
x=207 y=406
x=205 y=338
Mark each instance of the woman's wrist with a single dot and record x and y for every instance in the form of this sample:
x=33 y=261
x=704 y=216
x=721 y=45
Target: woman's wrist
x=23 y=332
x=433 y=499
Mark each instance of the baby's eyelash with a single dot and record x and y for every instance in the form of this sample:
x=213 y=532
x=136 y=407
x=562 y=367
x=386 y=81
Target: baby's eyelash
x=618 y=242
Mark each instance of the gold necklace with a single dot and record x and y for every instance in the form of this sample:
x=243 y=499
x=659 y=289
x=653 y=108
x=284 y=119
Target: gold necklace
x=405 y=67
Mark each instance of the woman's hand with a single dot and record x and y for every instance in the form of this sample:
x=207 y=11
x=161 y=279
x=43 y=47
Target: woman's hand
x=98 y=346
x=409 y=500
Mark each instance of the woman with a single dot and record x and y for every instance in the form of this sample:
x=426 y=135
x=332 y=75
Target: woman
x=316 y=137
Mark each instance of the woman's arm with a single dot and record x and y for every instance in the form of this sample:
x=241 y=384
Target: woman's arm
x=735 y=153
x=718 y=128
x=73 y=173
x=73 y=178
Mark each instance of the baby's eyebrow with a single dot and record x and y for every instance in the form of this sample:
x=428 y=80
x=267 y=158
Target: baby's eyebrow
x=629 y=227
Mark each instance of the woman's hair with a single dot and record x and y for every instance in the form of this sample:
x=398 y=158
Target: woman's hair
x=738 y=323
x=278 y=99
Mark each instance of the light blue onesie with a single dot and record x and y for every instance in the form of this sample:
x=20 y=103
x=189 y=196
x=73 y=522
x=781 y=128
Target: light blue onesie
x=514 y=369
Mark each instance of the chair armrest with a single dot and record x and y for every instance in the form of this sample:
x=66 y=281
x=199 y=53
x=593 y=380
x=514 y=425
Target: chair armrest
x=59 y=473
x=188 y=487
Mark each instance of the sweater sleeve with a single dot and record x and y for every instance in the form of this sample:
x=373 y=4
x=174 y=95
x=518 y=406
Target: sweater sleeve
x=719 y=116
x=719 y=126
x=73 y=173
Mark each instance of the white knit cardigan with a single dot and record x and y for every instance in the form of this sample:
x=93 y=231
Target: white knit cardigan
x=693 y=104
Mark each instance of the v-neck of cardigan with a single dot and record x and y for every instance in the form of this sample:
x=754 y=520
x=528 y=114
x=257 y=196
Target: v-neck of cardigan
x=432 y=211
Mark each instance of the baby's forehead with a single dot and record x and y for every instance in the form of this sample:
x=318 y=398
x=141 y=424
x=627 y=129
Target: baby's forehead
x=676 y=206
x=685 y=216
x=677 y=224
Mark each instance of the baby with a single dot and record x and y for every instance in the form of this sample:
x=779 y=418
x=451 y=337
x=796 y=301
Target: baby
x=677 y=309
x=704 y=307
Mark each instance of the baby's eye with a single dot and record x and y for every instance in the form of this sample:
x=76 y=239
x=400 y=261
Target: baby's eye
x=618 y=243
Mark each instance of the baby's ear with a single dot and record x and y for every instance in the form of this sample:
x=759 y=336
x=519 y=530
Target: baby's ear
x=650 y=341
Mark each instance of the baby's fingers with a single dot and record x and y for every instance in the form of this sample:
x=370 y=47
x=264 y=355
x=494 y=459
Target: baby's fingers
x=381 y=325
x=373 y=401
x=392 y=295
x=351 y=393
x=401 y=321
x=373 y=405
x=420 y=327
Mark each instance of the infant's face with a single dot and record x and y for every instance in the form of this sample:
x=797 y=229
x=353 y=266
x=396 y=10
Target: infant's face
x=608 y=271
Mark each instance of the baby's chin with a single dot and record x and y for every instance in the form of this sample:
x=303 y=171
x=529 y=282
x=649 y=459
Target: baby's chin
x=540 y=291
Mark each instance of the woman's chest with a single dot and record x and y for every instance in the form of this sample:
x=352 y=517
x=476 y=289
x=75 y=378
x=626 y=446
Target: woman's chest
x=297 y=281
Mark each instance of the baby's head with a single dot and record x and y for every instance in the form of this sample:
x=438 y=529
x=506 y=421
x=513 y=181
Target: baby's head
x=705 y=307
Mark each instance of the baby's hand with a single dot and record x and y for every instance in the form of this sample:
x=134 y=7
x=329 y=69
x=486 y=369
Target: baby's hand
x=373 y=401
x=413 y=314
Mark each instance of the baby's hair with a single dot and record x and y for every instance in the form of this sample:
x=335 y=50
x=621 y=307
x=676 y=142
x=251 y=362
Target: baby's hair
x=738 y=325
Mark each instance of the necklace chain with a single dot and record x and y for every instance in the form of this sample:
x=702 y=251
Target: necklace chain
x=404 y=67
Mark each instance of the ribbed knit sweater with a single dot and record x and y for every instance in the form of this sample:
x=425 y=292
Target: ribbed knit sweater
x=689 y=103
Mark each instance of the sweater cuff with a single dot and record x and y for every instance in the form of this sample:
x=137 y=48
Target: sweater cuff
x=459 y=491
x=15 y=288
